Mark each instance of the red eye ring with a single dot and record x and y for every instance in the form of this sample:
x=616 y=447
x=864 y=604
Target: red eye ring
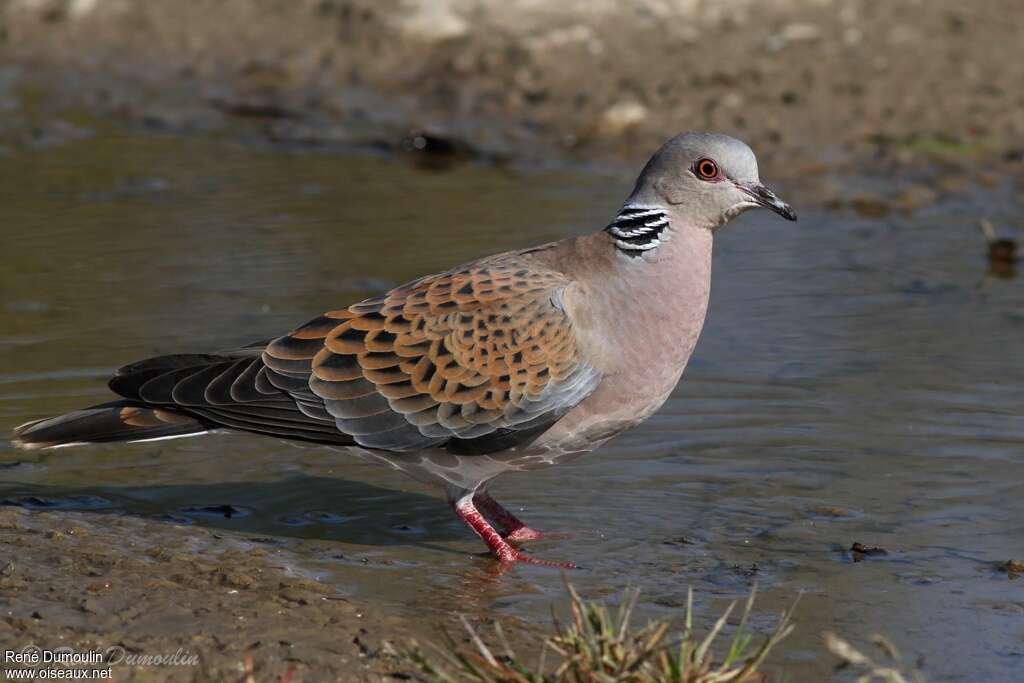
x=705 y=169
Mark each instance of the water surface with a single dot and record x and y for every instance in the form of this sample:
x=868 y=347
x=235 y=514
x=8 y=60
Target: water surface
x=853 y=384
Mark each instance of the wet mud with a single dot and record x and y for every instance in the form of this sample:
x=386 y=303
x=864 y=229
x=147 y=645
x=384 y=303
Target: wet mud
x=130 y=586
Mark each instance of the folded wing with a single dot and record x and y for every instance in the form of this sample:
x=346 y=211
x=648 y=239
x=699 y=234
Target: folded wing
x=477 y=359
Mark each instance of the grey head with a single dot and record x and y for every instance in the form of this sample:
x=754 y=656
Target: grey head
x=697 y=178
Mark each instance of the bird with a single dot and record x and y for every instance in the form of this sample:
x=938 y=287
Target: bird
x=512 y=362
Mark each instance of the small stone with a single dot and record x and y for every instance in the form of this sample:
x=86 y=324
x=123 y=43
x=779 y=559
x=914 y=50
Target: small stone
x=620 y=117
x=860 y=551
x=793 y=33
x=236 y=579
x=1012 y=568
x=434 y=22
x=732 y=100
x=159 y=554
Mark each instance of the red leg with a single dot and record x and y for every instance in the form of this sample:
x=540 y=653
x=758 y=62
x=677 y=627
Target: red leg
x=516 y=529
x=504 y=552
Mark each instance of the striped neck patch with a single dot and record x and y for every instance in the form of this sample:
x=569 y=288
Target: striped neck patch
x=638 y=228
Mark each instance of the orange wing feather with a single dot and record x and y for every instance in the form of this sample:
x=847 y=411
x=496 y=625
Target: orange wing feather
x=480 y=351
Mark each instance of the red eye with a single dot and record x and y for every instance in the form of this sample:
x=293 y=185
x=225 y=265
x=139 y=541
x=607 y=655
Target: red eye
x=706 y=169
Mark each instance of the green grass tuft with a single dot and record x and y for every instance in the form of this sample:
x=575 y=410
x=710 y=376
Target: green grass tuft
x=601 y=646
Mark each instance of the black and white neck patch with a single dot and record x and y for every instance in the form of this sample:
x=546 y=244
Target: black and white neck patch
x=638 y=228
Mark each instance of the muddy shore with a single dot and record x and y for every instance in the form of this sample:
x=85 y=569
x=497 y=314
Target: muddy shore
x=67 y=580
x=909 y=90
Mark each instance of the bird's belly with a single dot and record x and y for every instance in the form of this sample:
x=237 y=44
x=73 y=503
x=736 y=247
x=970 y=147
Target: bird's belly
x=615 y=407
x=438 y=466
x=612 y=409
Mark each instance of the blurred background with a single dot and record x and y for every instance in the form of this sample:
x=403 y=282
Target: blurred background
x=813 y=84
x=192 y=175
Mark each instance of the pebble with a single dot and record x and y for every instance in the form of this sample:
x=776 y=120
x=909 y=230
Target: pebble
x=433 y=22
x=859 y=551
x=793 y=33
x=235 y=579
x=1012 y=568
x=620 y=117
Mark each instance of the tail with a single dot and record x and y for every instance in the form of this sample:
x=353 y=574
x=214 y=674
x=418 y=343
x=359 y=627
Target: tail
x=124 y=420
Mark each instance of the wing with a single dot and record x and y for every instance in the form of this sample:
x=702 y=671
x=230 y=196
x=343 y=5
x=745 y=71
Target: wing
x=229 y=389
x=477 y=359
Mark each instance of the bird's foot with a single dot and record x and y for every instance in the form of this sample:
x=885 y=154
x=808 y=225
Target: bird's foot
x=505 y=553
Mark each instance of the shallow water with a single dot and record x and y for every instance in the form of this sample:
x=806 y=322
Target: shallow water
x=853 y=383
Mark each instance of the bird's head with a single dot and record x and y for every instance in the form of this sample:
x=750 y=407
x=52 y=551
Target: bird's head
x=707 y=177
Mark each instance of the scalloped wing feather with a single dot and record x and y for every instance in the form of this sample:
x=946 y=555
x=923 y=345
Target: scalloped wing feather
x=478 y=358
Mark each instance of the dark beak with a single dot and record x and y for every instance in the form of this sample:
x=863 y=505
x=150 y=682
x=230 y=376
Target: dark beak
x=766 y=198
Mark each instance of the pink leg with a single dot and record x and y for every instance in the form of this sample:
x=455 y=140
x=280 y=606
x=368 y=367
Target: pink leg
x=504 y=552
x=516 y=529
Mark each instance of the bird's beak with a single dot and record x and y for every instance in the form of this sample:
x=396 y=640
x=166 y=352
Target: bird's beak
x=766 y=198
